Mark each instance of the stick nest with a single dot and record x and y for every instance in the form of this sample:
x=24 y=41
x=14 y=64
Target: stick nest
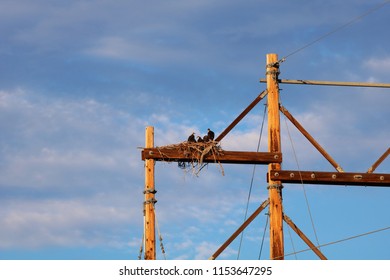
x=195 y=153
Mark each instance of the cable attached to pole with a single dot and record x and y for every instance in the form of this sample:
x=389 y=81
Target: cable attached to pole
x=302 y=184
x=262 y=240
x=341 y=240
x=160 y=236
x=251 y=185
x=337 y=29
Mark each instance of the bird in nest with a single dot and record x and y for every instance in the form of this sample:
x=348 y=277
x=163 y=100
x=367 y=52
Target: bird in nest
x=210 y=134
x=191 y=138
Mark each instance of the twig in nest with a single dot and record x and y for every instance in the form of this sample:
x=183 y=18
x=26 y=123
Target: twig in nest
x=195 y=154
x=200 y=151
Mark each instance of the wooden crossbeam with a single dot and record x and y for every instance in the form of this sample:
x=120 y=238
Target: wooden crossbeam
x=331 y=178
x=330 y=83
x=238 y=157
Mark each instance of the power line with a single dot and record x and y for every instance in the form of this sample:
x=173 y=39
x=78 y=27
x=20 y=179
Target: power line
x=262 y=240
x=302 y=184
x=337 y=29
x=251 y=184
x=342 y=240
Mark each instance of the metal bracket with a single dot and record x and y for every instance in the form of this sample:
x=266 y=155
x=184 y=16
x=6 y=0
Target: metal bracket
x=275 y=64
x=274 y=73
x=275 y=186
x=153 y=191
x=151 y=200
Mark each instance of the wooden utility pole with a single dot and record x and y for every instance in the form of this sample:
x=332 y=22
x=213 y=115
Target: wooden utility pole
x=149 y=214
x=274 y=145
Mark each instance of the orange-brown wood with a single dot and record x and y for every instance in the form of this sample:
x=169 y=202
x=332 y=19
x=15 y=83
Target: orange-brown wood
x=239 y=230
x=274 y=146
x=304 y=238
x=238 y=157
x=331 y=178
x=311 y=139
x=149 y=214
x=379 y=161
x=241 y=116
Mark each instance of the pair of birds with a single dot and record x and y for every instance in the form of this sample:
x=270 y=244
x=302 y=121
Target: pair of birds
x=208 y=137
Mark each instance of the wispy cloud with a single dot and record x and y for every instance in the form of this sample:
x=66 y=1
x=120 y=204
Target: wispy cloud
x=58 y=222
x=72 y=162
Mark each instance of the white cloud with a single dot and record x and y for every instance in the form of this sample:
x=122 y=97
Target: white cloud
x=68 y=171
x=138 y=50
x=378 y=69
x=76 y=222
x=381 y=65
x=52 y=139
x=205 y=249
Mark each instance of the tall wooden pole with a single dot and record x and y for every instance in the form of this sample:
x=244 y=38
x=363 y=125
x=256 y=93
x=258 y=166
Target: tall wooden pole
x=274 y=145
x=149 y=191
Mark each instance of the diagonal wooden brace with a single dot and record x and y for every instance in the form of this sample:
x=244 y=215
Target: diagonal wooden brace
x=379 y=161
x=241 y=116
x=311 y=139
x=239 y=230
x=303 y=237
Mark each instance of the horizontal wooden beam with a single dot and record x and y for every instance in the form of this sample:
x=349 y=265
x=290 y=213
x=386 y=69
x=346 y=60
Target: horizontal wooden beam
x=331 y=178
x=330 y=83
x=238 y=157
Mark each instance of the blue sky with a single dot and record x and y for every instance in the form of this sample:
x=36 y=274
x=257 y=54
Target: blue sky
x=80 y=81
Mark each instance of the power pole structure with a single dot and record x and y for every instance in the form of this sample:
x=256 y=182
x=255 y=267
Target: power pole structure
x=149 y=191
x=274 y=146
x=273 y=158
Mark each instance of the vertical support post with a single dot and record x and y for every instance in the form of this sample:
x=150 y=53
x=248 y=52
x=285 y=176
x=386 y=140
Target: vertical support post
x=149 y=191
x=274 y=145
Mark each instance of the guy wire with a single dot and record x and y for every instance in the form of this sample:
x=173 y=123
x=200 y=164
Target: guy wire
x=337 y=29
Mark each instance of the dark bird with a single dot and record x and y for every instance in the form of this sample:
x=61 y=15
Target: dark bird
x=210 y=134
x=200 y=140
x=206 y=138
x=191 y=138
